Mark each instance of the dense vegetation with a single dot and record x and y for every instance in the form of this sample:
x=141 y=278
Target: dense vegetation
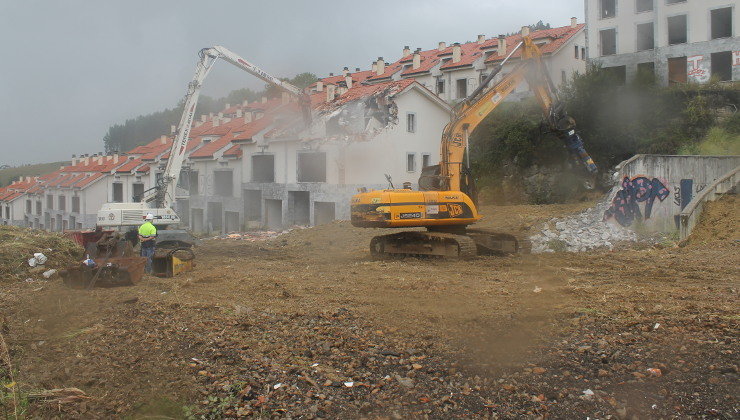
x=144 y=128
x=616 y=121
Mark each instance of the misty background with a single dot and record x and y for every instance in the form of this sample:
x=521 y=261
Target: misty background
x=73 y=68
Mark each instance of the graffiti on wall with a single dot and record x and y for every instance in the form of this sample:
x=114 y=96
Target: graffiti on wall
x=625 y=207
x=736 y=58
x=698 y=70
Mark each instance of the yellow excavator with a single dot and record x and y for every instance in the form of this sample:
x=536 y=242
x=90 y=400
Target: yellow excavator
x=447 y=201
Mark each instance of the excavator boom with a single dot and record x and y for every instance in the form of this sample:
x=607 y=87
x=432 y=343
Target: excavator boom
x=446 y=204
x=162 y=196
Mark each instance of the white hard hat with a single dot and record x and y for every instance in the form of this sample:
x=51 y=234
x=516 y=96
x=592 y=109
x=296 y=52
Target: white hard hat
x=149 y=216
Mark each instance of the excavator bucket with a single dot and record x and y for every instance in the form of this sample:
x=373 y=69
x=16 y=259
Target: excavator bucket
x=169 y=262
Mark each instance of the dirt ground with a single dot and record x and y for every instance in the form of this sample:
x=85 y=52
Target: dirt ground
x=308 y=326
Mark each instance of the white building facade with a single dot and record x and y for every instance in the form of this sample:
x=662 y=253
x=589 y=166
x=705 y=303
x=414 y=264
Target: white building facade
x=308 y=177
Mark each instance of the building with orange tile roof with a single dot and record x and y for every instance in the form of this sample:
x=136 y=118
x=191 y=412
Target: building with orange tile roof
x=454 y=71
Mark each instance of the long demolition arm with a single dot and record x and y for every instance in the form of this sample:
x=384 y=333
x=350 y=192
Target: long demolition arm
x=164 y=194
x=474 y=109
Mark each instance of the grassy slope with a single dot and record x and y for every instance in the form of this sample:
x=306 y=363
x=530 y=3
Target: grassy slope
x=9 y=174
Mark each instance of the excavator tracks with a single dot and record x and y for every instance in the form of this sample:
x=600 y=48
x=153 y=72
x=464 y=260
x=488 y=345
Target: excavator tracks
x=421 y=243
x=497 y=243
x=448 y=245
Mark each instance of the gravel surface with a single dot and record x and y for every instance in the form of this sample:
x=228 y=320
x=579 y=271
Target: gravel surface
x=306 y=325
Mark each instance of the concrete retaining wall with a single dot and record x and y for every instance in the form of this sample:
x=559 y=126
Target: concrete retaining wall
x=654 y=189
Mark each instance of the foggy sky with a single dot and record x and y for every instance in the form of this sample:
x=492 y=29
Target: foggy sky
x=72 y=68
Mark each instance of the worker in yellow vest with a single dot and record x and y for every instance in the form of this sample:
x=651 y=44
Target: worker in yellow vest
x=148 y=236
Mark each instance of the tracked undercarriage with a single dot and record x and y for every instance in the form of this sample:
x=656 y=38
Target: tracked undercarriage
x=461 y=243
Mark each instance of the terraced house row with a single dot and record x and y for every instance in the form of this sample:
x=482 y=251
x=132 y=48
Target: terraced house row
x=258 y=165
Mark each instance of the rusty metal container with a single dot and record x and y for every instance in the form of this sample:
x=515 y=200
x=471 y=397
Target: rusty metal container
x=115 y=271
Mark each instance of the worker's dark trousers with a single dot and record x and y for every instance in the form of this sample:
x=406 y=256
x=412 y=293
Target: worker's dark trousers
x=148 y=252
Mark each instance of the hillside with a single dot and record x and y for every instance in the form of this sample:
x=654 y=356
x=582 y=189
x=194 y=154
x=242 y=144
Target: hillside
x=8 y=175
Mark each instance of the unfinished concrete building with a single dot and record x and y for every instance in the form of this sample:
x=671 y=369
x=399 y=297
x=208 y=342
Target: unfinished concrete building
x=672 y=41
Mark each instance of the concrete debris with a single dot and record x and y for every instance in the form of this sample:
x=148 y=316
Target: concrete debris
x=37 y=259
x=582 y=232
x=257 y=235
x=360 y=116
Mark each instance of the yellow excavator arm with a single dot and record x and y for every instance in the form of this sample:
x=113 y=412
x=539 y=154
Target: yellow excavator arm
x=473 y=110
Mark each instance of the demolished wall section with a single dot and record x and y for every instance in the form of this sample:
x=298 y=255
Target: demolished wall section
x=648 y=195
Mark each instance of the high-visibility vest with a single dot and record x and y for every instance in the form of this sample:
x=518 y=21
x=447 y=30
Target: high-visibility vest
x=147 y=229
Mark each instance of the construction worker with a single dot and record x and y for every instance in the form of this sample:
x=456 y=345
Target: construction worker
x=148 y=236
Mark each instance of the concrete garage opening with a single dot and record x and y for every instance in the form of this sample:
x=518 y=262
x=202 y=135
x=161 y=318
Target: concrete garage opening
x=323 y=212
x=274 y=214
x=231 y=221
x=196 y=220
x=263 y=168
x=252 y=206
x=215 y=217
x=299 y=205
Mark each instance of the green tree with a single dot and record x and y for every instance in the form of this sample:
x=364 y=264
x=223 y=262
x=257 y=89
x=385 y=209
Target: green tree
x=539 y=26
x=303 y=80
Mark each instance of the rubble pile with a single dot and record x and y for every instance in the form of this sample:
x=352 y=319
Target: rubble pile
x=582 y=232
x=256 y=235
x=19 y=246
